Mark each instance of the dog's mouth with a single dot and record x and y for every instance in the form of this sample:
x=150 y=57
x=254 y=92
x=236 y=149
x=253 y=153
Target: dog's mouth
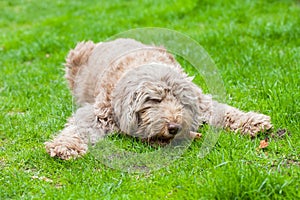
x=164 y=138
x=158 y=141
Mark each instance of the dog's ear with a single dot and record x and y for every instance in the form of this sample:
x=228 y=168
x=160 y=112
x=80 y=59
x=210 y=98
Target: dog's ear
x=138 y=99
x=190 y=96
x=129 y=107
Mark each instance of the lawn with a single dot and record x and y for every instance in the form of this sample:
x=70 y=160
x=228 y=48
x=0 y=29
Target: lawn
x=255 y=46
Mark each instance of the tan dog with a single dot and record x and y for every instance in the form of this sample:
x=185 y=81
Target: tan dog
x=132 y=88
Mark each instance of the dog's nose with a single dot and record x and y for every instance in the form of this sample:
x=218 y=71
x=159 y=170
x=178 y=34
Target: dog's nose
x=173 y=128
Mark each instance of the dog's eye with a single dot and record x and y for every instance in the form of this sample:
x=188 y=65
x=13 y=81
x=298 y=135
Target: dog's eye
x=153 y=100
x=156 y=100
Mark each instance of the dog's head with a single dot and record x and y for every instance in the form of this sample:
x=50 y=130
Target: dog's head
x=155 y=102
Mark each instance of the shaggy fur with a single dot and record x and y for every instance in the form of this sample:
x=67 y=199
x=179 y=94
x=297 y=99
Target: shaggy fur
x=140 y=90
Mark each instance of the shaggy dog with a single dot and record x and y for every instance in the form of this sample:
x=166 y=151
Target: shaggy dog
x=128 y=87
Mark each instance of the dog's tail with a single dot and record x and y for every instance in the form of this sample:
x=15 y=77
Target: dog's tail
x=77 y=59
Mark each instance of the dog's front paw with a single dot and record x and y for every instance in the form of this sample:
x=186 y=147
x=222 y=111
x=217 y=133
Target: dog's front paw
x=255 y=122
x=65 y=149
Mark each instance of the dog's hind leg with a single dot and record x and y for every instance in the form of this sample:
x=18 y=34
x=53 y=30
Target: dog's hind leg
x=251 y=123
x=81 y=130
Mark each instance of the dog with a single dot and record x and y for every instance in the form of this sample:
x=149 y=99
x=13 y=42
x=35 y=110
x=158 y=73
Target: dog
x=140 y=90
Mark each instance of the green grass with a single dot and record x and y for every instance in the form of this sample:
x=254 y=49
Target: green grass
x=256 y=46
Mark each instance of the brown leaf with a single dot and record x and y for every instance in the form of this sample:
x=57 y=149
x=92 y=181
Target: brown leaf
x=263 y=144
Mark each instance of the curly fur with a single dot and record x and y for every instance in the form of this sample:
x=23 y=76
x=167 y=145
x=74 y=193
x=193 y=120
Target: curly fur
x=140 y=90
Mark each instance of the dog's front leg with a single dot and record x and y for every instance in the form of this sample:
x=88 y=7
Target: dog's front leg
x=82 y=128
x=251 y=123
